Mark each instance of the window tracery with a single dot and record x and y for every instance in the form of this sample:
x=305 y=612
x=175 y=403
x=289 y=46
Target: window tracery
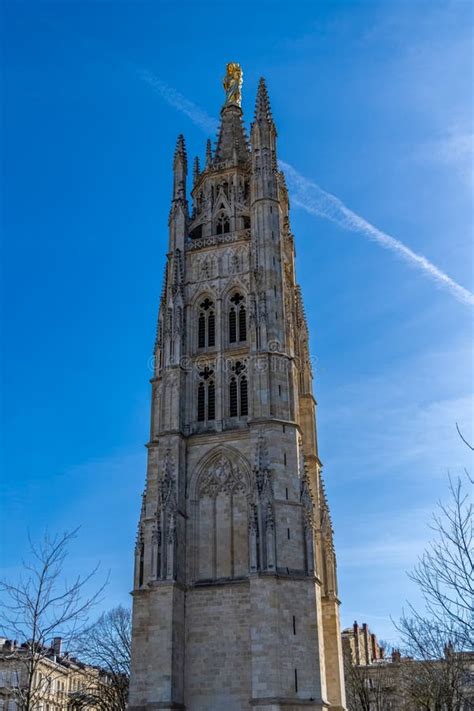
x=238 y=390
x=206 y=324
x=237 y=319
x=222 y=224
x=206 y=396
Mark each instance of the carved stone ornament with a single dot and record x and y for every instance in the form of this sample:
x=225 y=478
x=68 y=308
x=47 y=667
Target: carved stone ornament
x=221 y=477
x=269 y=517
x=306 y=499
x=166 y=493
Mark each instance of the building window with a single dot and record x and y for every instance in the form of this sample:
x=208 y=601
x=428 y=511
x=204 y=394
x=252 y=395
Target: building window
x=211 y=329
x=237 y=320
x=201 y=402
x=242 y=324
x=197 y=232
x=206 y=396
x=238 y=391
x=206 y=324
x=244 y=405
x=232 y=325
x=233 y=397
x=223 y=224
x=211 y=401
x=202 y=331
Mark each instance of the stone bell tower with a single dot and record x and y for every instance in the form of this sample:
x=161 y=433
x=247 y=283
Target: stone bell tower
x=235 y=595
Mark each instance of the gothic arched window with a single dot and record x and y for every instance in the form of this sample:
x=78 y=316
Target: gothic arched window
x=244 y=403
x=233 y=397
x=242 y=323
x=201 y=402
x=223 y=224
x=206 y=324
x=206 y=396
x=237 y=320
x=232 y=325
x=238 y=391
x=211 y=401
x=211 y=329
x=201 y=331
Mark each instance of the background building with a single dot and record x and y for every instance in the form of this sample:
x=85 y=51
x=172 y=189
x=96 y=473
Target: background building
x=375 y=682
x=61 y=682
x=361 y=644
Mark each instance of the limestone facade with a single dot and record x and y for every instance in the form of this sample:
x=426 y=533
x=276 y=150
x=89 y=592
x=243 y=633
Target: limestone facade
x=361 y=645
x=59 y=683
x=235 y=594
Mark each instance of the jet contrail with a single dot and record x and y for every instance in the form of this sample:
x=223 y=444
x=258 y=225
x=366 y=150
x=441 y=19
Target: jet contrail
x=180 y=102
x=310 y=197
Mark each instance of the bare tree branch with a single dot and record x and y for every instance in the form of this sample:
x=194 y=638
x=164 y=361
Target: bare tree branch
x=42 y=605
x=107 y=644
x=464 y=440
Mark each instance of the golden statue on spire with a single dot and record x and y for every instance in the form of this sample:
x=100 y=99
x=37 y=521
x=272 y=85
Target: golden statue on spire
x=232 y=83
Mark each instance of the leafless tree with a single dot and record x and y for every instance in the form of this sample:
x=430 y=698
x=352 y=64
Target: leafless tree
x=107 y=644
x=42 y=605
x=440 y=637
x=437 y=677
x=371 y=687
x=445 y=572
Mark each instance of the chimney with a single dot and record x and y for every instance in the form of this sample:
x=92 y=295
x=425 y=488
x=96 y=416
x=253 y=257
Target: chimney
x=365 y=629
x=57 y=644
x=356 y=642
x=396 y=656
x=373 y=639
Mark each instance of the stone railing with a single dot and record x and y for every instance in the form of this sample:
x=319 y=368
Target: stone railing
x=214 y=240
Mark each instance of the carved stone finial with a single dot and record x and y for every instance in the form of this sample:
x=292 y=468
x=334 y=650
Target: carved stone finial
x=208 y=153
x=180 y=150
x=197 y=170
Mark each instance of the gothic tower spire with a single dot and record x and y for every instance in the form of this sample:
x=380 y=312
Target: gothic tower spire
x=234 y=559
x=262 y=105
x=179 y=205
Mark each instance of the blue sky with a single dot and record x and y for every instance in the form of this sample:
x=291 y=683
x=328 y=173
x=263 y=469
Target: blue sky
x=373 y=102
